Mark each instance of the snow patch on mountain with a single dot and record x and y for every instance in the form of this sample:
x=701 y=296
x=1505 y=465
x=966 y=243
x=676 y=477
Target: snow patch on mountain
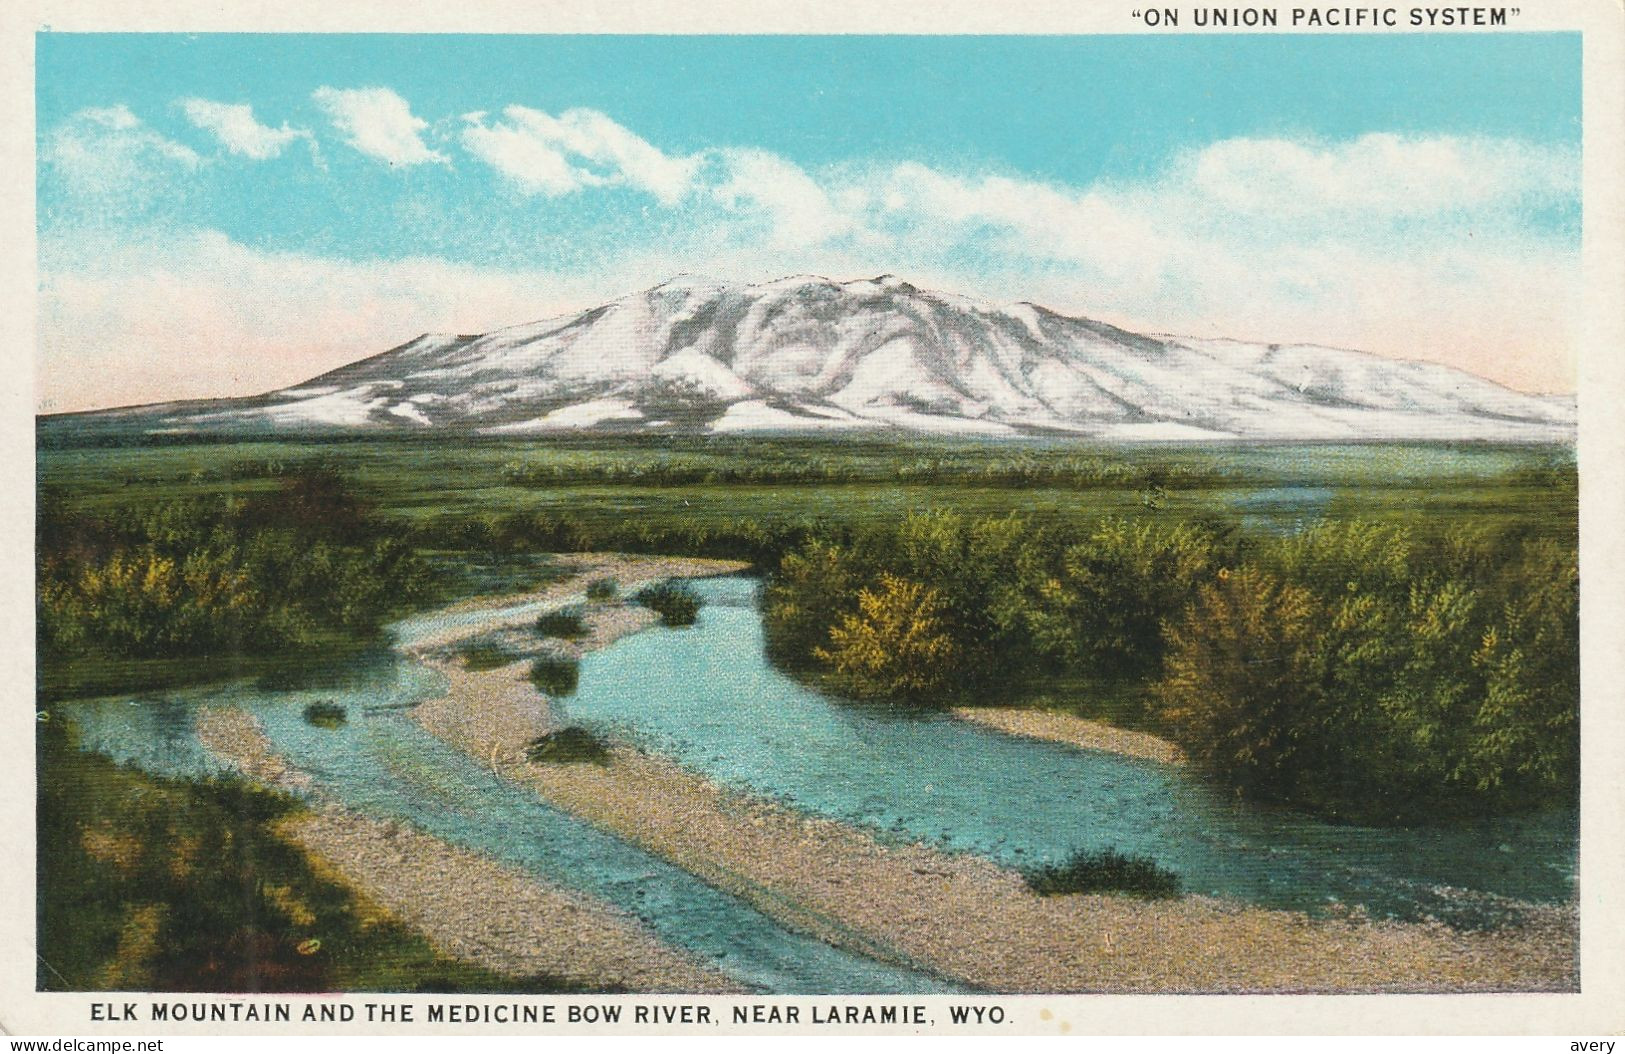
x=570 y=418
x=808 y=354
x=703 y=375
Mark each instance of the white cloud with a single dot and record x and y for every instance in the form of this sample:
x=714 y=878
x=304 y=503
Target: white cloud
x=1385 y=175
x=579 y=148
x=1418 y=247
x=1414 y=247
x=238 y=131
x=156 y=317
x=378 y=123
x=109 y=152
x=532 y=164
x=1249 y=193
x=792 y=206
x=752 y=195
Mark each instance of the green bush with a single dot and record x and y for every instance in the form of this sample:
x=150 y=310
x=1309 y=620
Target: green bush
x=566 y=745
x=484 y=655
x=566 y=624
x=812 y=589
x=1367 y=672
x=675 y=602
x=976 y=580
x=1242 y=690
x=1104 y=605
x=1107 y=871
x=555 y=676
x=602 y=589
x=1376 y=678
x=263 y=575
x=326 y=715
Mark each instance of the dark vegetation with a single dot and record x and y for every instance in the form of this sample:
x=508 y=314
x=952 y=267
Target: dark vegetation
x=675 y=602
x=486 y=655
x=1363 y=671
x=305 y=565
x=740 y=538
x=793 y=463
x=1107 y=871
x=567 y=745
x=555 y=676
x=602 y=589
x=326 y=715
x=566 y=624
x=176 y=886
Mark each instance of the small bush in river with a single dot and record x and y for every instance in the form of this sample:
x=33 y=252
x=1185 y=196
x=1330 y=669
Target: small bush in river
x=567 y=745
x=555 y=676
x=487 y=656
x=675 y=602
x=1104 y=872
x=602 y=589
x=566 y=624
x=325 y=715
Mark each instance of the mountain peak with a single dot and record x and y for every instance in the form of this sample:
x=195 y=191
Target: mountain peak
x=808 y=353
x=889 y=282
x=688 y=281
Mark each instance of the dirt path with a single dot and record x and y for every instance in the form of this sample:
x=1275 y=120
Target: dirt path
x=465 y=904
x=958 y=915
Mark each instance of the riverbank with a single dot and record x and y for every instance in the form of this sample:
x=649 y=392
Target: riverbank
x=629 y=572
x=1073 y=731
x=465 y=904
x=960 y=916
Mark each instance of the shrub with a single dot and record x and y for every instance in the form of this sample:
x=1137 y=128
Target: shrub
x=1374 y=678
x=555 y=676
x=1367 y=672
x=190 y=886
x=262 y=574
x=804 y=598
x=566 y=624
x=602 y=589
x=573 y=744
x=675 y=602
x=1103 y=608
x=487 y=656
x=1107 y=871
x=894 y=647
x=326 y=715
x=1241 y=693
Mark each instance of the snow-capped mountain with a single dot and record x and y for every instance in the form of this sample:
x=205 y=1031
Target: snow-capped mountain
x=810 y=354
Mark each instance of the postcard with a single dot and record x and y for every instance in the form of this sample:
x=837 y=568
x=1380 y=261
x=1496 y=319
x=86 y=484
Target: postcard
x=890 y=520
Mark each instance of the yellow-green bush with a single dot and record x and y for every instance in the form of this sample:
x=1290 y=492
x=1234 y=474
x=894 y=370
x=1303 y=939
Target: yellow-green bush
x=894 y=646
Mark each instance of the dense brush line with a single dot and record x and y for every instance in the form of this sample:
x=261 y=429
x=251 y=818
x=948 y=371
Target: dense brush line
x=1030 y=470
x=266 y=573
x=1360 y=670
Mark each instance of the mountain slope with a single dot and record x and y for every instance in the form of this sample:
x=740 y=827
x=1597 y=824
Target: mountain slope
x=809 y=354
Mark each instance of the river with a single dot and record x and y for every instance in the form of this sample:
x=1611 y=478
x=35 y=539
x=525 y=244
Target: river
x=706 y=697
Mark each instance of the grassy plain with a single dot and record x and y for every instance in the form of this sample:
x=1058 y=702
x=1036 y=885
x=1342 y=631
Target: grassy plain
x=416 y=480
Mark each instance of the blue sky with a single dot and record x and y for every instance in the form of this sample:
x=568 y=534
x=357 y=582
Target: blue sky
x=225 y=213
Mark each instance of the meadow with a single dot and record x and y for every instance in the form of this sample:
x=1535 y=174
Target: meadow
x=694 y=484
